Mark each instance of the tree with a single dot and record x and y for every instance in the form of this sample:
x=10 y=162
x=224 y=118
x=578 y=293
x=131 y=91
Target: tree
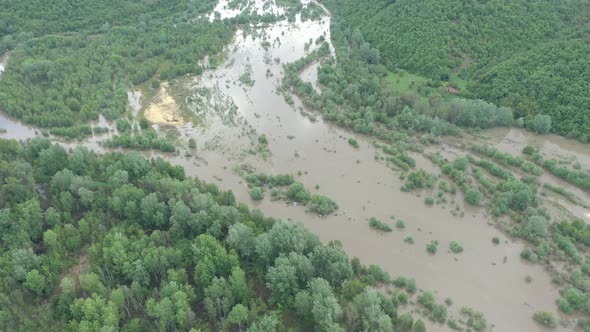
x=326 y=309
x=266 y=324
x=331 y=263
x=30 y=218
x=367 y=307
x=23 y=261
x=239 y=288
x=218 y=299
x=241 y=238
x=282 y=282
x=153 y=212
x=238 y=315
x=51 y=160
x=35 y=282
x=541 y=124
x=163 y=311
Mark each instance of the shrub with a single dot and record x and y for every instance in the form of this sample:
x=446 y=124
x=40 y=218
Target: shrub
x=400 y=224
x=411 y=286
x=529 y=255
x=429 y=201
x=323 y=205
x=545 y=318
x=496 y=240
x=536 y=227
x=417 y=180
x=262 y=139
x=298 y=193
x=192 y=143
x=353 y=142
x=256 y=194
x=473 y=196
x=476 y=320
x=530 y=150
x=155 y=84
x=461 y=163
x=409 y=240
x=379 y=225
x=455 y=247
x=432 y=247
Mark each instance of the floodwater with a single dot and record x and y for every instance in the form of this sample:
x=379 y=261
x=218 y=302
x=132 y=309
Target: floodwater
x=489 y=278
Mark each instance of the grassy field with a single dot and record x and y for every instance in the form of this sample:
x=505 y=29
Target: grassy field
x=401 y=81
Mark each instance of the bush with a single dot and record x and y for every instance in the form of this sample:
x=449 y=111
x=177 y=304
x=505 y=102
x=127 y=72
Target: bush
x=298 y=193
x=155 y=84
x=545 y=318
x=432 y=247
x=379 y=225
x=536 y=227
x=323 y=205
x=262 y=139
x=455 y=247
x=461 y=163
x=475 y=319
x=256 y=194
x=529 y=255
x=400 y=224
x=473 y=196
x=192 y=143
x=419 y=179
x=409 y=240
x=353 y=142
x=429 y=201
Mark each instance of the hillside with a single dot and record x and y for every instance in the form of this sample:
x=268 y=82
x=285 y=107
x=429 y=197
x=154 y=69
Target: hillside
x=487 y=43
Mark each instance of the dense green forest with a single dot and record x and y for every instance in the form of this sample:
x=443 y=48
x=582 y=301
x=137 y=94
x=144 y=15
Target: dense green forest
x=531 y=56
x=68 y=67
x=118 y=242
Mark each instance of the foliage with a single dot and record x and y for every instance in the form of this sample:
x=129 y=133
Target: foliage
x=418 y=180
x=148 y=139
x=473 y=196
x=77 y=66
x=256 y=193
x=379 y=225
x=475 y=319
x=508 y=54
x=322 y=205
x=121 y=242
x=455 y=247
x=353 y=142
x=432 y=247
x=541 y=124
x=545 y=318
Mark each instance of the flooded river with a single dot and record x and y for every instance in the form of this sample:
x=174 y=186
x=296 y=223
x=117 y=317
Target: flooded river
x=489 y=278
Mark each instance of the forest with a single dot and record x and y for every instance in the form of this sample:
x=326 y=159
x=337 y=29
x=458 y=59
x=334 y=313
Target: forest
x=67 y=69
x=531 y=56
x=118 y=242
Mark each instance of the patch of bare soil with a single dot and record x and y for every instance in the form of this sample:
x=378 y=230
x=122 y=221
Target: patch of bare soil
x=164 y=109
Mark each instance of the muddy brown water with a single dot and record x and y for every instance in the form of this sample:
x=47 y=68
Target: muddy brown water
x=485 y=277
